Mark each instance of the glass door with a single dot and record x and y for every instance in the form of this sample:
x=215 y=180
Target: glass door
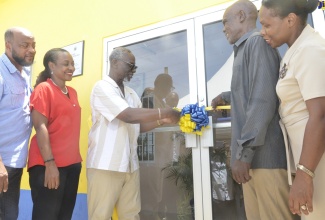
x=222 y=197
x=166 y=76
x=215 y=58
x=183 y=61
x=183 y=176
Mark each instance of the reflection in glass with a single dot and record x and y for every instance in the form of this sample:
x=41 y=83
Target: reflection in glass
x=161 y=80
x=166 y=54
x=218 y=60
x=226 y=199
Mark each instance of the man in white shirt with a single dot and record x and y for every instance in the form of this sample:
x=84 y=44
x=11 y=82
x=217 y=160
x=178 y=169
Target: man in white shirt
x=112 y=161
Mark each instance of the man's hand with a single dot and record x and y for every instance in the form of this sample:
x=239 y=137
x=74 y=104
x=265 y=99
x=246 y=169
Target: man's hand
x=240 y=171
x=3 y=178
x=173 y=117
x=217 y=101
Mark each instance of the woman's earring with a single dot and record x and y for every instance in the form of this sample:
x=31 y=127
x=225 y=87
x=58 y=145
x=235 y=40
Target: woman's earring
x=51 y=72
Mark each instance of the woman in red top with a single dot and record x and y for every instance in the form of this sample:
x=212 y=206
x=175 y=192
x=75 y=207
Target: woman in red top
x=54 y=162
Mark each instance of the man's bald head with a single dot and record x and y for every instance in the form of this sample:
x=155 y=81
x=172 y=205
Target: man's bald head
x=239 y=19
x=11 y=32
x=20 y=47
x=248 y=7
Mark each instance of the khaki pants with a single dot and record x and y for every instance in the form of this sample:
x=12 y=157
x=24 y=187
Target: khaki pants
x=266 y=195
x=109 y=189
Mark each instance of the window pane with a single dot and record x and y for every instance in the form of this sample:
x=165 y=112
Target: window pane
x=227 y=202
x=163 y=68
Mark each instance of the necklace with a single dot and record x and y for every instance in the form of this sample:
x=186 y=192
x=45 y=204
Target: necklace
x=66 y=89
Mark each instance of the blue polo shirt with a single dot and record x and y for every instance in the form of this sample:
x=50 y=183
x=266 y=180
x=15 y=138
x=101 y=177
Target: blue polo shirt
x=15 y=121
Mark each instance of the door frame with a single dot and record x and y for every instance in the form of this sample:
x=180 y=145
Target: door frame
x=193 y=24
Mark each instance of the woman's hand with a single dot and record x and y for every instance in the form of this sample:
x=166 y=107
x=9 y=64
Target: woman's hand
x=52 y=176
x=301 y=194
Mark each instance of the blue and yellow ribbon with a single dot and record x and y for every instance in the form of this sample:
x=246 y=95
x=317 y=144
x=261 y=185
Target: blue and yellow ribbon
x=194 y=119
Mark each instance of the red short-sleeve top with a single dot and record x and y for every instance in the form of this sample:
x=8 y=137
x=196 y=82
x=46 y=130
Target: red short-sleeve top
x=64 y=116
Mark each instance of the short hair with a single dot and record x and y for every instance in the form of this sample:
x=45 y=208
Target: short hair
x=284 y=7
x=249 y=8
x=9 y=35
x=118 y=53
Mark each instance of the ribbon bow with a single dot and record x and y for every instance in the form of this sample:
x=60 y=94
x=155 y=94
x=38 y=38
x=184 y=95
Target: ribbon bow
x=193 y=119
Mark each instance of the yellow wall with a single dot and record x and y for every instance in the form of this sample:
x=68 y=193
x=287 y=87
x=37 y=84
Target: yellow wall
x=62 y=22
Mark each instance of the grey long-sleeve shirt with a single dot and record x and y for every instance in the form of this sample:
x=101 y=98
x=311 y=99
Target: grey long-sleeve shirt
x=256 y=134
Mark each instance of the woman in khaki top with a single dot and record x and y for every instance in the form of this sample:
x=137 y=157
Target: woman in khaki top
x=301 y=90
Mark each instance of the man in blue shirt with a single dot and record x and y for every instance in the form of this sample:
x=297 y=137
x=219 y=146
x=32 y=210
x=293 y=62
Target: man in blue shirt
x=15 y=122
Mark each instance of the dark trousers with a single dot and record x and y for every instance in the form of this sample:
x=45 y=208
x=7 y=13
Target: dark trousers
x=9 y=200
x=54 y=204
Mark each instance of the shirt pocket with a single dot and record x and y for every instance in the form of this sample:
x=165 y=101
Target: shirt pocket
x=17 y=95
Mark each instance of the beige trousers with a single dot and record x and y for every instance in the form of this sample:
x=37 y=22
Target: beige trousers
x=109 y=189
x=266 y=195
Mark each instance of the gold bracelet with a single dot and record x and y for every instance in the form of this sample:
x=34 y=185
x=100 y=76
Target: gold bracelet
x=304 y=169
x=158 y=123
x=159 y=113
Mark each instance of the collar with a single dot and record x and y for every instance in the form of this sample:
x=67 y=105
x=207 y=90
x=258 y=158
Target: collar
x=245 y=37
x=109 y=80
x=302 y=37
x=11 y=68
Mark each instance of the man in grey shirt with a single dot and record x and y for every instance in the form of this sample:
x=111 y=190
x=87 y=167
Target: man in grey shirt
x=257 y=146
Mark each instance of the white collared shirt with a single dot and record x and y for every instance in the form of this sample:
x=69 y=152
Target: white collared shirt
x=112 y=143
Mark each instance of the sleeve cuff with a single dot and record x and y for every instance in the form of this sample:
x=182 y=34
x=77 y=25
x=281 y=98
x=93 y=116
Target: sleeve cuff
x=245 y=154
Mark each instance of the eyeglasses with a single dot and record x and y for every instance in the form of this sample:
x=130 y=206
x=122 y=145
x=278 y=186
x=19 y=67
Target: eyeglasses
x=131 y=65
